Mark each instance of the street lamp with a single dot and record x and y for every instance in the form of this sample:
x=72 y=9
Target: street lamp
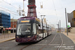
x=58 y=26
x=23 y=9
x=42 y=17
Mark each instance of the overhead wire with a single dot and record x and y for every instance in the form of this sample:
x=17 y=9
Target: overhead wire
x=15 y=13
x=10 y=4
x=55 y=10
x=54 y=7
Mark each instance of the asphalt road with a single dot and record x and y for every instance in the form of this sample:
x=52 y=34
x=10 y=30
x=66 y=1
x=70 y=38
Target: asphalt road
x=56 y=41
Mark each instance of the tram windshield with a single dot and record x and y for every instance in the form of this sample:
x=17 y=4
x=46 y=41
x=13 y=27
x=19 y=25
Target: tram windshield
x=24 y=29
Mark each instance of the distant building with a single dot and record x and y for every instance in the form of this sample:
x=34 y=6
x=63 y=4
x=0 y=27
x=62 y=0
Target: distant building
x=71 y=18
x=4 y=19
x=13 y=23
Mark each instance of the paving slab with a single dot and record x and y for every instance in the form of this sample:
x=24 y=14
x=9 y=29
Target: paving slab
x=7 y=37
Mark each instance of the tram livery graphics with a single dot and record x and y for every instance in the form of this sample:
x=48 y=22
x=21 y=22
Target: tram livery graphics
x=30 y=29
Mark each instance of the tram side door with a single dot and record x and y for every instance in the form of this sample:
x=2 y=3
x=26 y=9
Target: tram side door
x=34 y=28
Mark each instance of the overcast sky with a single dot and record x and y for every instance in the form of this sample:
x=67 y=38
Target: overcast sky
x=49 y=7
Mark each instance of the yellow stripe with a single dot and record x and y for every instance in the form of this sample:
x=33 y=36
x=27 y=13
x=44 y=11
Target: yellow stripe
x=37 y=20
x=24 y=21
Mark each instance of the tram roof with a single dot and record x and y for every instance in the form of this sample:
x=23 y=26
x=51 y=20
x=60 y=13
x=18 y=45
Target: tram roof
x=26 y=18
x=22 y=18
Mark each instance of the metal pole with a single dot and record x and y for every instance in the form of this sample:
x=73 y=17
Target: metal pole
x=42 y=23
x=23 y=4
x=23 y=8
x=42 y=20
x=66 y=21
x=60 y=25
x=13 y=24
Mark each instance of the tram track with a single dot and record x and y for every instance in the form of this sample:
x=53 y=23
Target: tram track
x=24 y=47
x=52 y=41
x=61 y=42
x=57 y=42
x=48 y=43
x=42 y=47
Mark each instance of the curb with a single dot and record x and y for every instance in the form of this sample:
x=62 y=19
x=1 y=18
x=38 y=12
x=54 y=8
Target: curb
x=73 y=41
x=70 y=38
x=7 y=40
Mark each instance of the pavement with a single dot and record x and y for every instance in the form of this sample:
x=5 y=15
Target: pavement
x=7 y=37
x=70 y=35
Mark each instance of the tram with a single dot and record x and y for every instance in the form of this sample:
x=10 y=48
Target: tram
x=31 y=29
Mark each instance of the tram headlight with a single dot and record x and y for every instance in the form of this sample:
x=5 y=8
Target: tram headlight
x=17 y=36
x=29 y=36
x=35 y=36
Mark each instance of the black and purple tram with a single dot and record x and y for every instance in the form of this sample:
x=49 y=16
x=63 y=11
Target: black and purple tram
x=30 y=29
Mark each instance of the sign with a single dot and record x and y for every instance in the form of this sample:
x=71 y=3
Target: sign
x=25 y=21
x=69 y=25
x=41 y=6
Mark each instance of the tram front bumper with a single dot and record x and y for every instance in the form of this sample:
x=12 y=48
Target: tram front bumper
x=23 y=40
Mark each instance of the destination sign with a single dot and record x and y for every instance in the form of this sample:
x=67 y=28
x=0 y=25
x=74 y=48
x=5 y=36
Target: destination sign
x=25 y=21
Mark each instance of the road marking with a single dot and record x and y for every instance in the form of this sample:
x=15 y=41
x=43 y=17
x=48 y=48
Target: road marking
x=49 y=44
x=61 y=42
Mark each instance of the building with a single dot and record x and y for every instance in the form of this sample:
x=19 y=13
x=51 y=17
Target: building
x=4 y=20
x=13 y=25
x=71 y=18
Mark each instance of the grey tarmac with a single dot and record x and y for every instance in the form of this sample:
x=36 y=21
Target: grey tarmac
x=56 y=41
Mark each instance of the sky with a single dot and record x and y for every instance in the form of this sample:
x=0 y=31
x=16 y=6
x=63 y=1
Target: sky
x=53 y=9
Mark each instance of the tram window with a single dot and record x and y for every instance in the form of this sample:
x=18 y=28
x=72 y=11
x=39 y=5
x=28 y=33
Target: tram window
x=19 y=30
x=23 y=29
x=28 y=30
x=34 y=28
